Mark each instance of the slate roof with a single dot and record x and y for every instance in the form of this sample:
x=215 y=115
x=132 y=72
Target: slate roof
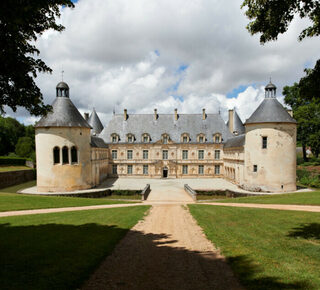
x=95 y=122
x=237 y=123
x=97 y=142
x=137 y=124
x=64 y=114
x=237 y=141
x=62 y=85
x=270 y=111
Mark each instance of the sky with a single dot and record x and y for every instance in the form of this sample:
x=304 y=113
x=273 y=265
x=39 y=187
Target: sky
x=145 y=54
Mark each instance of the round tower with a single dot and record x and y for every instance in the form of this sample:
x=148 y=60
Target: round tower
x=63 y=147
x=270 y=147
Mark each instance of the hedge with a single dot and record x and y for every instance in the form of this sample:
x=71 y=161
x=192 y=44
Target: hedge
x=5 y=160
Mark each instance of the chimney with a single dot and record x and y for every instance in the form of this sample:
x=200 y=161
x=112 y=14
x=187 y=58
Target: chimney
x=176 y=114
x=155 y=114
x=290 y=112
x=125 y=115
x=203 y=114
x=231 y=121
x=86 y=116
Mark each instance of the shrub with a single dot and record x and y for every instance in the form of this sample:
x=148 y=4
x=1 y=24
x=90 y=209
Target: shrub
x=24 y=147
x=6 y=160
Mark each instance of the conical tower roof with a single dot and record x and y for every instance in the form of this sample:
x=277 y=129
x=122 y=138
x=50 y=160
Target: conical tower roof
x=95 y=122
x=237 y=123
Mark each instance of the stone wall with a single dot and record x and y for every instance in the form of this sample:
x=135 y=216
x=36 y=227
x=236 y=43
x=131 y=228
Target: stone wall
x=11 y=178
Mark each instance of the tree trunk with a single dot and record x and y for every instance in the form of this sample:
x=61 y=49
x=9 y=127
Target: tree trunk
x=305 y=158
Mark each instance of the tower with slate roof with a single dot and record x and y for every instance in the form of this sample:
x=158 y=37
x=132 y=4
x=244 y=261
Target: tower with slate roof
x=270 y=146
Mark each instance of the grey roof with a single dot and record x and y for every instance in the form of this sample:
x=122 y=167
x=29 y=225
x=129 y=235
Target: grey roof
x=64 y=114
x=137 y=124
x=237 y=141
x=97 y=142
x=270 y=111
x=237 y=123
x=270 y=85
x=62 y=85
x=95 y=122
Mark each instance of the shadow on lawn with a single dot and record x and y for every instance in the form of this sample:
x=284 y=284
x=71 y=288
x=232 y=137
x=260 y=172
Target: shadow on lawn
x=58 y=256
x=306 y=231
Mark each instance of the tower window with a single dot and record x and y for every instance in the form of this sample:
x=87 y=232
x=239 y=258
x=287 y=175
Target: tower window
x=65 y=155
x=264 y=142
x=255 y=168
x=56 y=155
x=74 y=155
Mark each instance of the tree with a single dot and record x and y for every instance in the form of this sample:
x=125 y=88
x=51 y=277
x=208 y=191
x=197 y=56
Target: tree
x=24 y=147
x=21 y=22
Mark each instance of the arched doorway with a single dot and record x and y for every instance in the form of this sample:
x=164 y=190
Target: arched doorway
x=165 y=172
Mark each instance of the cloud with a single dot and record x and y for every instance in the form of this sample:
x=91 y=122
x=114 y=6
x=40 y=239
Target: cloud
x=144 y=54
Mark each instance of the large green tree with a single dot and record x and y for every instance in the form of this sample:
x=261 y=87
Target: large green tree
x=21 y=22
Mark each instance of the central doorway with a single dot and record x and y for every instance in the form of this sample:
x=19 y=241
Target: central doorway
x=165 y=172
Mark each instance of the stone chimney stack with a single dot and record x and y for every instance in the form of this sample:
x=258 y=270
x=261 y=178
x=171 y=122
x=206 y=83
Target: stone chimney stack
x=125 y=115
x=176 y=114
x=231 y=129
x=86 y=116
x=290 y=112
x=203 y=114
x=155 y=114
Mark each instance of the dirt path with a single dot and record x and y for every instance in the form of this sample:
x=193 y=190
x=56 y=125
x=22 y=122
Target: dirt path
x=165 y=251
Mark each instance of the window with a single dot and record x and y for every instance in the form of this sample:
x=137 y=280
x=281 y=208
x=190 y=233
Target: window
x=145 y=139
x=217 y=169
x=129 y=169
x=114 y=154
x=201 y=154
x=184 y=169
x=185 y=139
x=145 y=154
x=184 y=154
x=264 y=142
x=255 y=168
x=164 y=154
x=217 y=154
x=201 y=139
x=129 y=154
x=217 y=138
x=65 y=155
x=114 y=169
x=74 y=155
x=114 y=138
x=165 y=140
x=56 y=155
x=130 y=138
x=145 y=169
x=201 y=169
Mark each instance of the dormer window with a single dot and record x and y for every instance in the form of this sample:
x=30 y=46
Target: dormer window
x=165 y=138
x=185 y=138
x=217 y=138
x=114 y=138
x=145 y=138
x=201 y=138
x=130 y=138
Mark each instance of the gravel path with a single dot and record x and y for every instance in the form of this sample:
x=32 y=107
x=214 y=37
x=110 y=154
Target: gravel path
x=167 y=250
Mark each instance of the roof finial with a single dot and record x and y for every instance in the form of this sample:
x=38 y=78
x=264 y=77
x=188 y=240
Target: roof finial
x=62 y=74
x=270 y=80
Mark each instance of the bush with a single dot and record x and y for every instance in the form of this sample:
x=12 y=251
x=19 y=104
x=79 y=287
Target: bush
x=308 y=178
x=6 y=160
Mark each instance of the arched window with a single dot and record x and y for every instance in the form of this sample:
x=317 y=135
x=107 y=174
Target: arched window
x=185 y=138
x=114 y=138
x=65 y=155
x=74 y=154
x=56 y=155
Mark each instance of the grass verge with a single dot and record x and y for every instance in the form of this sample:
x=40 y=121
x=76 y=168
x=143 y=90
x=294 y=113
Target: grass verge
x=300 y=198
x=13 y=168
x=267 y=249
x=60 y=250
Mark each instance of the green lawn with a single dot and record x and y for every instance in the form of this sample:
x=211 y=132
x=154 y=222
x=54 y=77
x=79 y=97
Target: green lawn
x=302 y=198
x=267 y=249
x=60 y=250
x=13 y=168
x=11 y=201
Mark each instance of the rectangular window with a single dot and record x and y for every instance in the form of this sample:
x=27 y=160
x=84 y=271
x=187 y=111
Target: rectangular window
x=184 y=154
x=114 y=139
x=145 y=139
x=164 y=154
x=255 y=168
x=185 y=139
x=200 y=139
x=114 y=154
x=145 y=169
x=201 y=154
x=129 y=169
x=216 y=154
x=165 y=140
x=201 y=169
x=264 y=142
x=114 y=169
x=217 y=139
x=130 y=139
x=129 y=154
x=145 y=154
x=217 y=169
x=184 y=169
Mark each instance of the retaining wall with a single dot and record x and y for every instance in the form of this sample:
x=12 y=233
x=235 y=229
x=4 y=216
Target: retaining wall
x=10 y=178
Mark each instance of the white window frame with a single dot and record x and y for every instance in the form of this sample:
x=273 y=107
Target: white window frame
x=129 y=169
x=165 y=154
x=201 y=169
x=114 y=154
x=145 y=169
x=217 y=169
x=185 y=154
x=129 y=154
x=217 y=154
x=184 y=169
x=200 y=154
x=145 y=154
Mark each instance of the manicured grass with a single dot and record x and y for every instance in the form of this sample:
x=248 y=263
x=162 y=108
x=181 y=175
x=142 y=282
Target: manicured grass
x=60 y=250
x=302 y=198
x=10 y=201
x=13 y=168
x=267 y=249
